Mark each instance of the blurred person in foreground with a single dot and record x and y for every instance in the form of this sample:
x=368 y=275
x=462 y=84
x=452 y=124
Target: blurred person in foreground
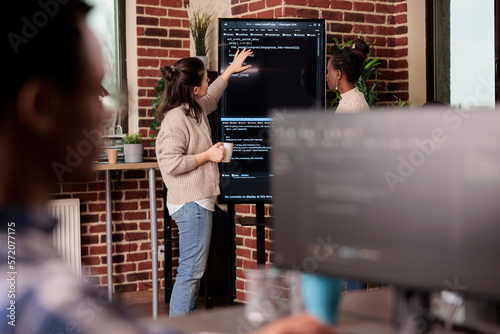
x=48 y=107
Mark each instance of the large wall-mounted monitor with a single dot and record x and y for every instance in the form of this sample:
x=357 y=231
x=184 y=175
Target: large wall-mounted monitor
x=288 y=72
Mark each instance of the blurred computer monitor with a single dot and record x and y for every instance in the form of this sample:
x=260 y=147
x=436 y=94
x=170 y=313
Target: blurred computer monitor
x=410 y=198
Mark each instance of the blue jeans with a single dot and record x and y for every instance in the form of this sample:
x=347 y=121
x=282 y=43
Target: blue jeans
x=352 y=285
x=195 y=229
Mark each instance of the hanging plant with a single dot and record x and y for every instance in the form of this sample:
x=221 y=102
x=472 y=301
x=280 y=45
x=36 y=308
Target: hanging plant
x=156 y=123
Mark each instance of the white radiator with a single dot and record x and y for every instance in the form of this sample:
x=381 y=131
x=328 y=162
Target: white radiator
x=66 y=235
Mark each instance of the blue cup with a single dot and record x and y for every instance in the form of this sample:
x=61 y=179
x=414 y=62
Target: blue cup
x=322 y=296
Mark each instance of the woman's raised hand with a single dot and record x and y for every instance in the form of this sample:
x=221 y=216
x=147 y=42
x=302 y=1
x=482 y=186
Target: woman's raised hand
x=239 y=58
x=237 y=64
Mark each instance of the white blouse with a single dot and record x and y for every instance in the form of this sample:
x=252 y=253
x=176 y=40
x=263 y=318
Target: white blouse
x=352 y=101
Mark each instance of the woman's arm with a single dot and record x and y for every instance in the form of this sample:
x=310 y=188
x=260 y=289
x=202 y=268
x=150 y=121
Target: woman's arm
x=174 y=161
x=209 y=102
x=215 y=91
x=170 y=147
x=214 y=153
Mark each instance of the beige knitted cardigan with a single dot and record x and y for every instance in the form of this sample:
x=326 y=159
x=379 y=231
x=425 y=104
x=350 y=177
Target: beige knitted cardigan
x=179 y=139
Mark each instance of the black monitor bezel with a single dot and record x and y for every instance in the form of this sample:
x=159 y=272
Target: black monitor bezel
x=323 y=50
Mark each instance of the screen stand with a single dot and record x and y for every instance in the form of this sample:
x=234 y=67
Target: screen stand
x=412 y=312
x=261 y=234
x=231 y=214
x=260 y=222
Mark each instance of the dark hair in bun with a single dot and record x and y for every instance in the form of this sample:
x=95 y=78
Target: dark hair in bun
x=351 y=59
x=180 y=79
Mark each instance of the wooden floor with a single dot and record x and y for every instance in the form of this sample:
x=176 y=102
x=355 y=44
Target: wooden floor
x=145 y=310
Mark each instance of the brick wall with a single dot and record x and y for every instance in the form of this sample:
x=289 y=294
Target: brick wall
x=163 y=38
x=246 y=246
x=131 y=227
x=383 y=21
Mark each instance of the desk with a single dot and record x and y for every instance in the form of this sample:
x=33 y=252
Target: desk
x=373 y=307
x=361 y=312
x=151 y=166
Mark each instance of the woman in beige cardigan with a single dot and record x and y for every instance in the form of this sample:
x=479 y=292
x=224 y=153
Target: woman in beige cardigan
x=188 y=164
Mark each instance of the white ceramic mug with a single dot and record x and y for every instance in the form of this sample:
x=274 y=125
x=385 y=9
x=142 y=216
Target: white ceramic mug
x=228 y=152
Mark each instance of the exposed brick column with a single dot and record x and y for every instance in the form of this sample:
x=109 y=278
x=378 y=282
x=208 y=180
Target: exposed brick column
x=162 y=39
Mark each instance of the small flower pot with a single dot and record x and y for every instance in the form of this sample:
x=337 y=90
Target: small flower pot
x=133 y=152
x=204 y=59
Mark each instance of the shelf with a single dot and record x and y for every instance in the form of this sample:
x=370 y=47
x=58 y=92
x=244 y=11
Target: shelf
x=122 y=166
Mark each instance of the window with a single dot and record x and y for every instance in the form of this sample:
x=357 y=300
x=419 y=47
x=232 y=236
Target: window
x=462 y=52
x=107 y=20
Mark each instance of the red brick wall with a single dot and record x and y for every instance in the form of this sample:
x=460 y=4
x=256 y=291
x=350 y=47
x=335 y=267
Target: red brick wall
x=163 y=38
x=131 y=227
x=246 y=246
x=383 y=21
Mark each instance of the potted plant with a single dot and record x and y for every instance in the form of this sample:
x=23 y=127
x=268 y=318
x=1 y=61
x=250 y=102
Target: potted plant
x=198 y=24
x=133 y=148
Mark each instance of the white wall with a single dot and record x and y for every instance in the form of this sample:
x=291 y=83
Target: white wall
x=416 y=52
x=220 y=9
